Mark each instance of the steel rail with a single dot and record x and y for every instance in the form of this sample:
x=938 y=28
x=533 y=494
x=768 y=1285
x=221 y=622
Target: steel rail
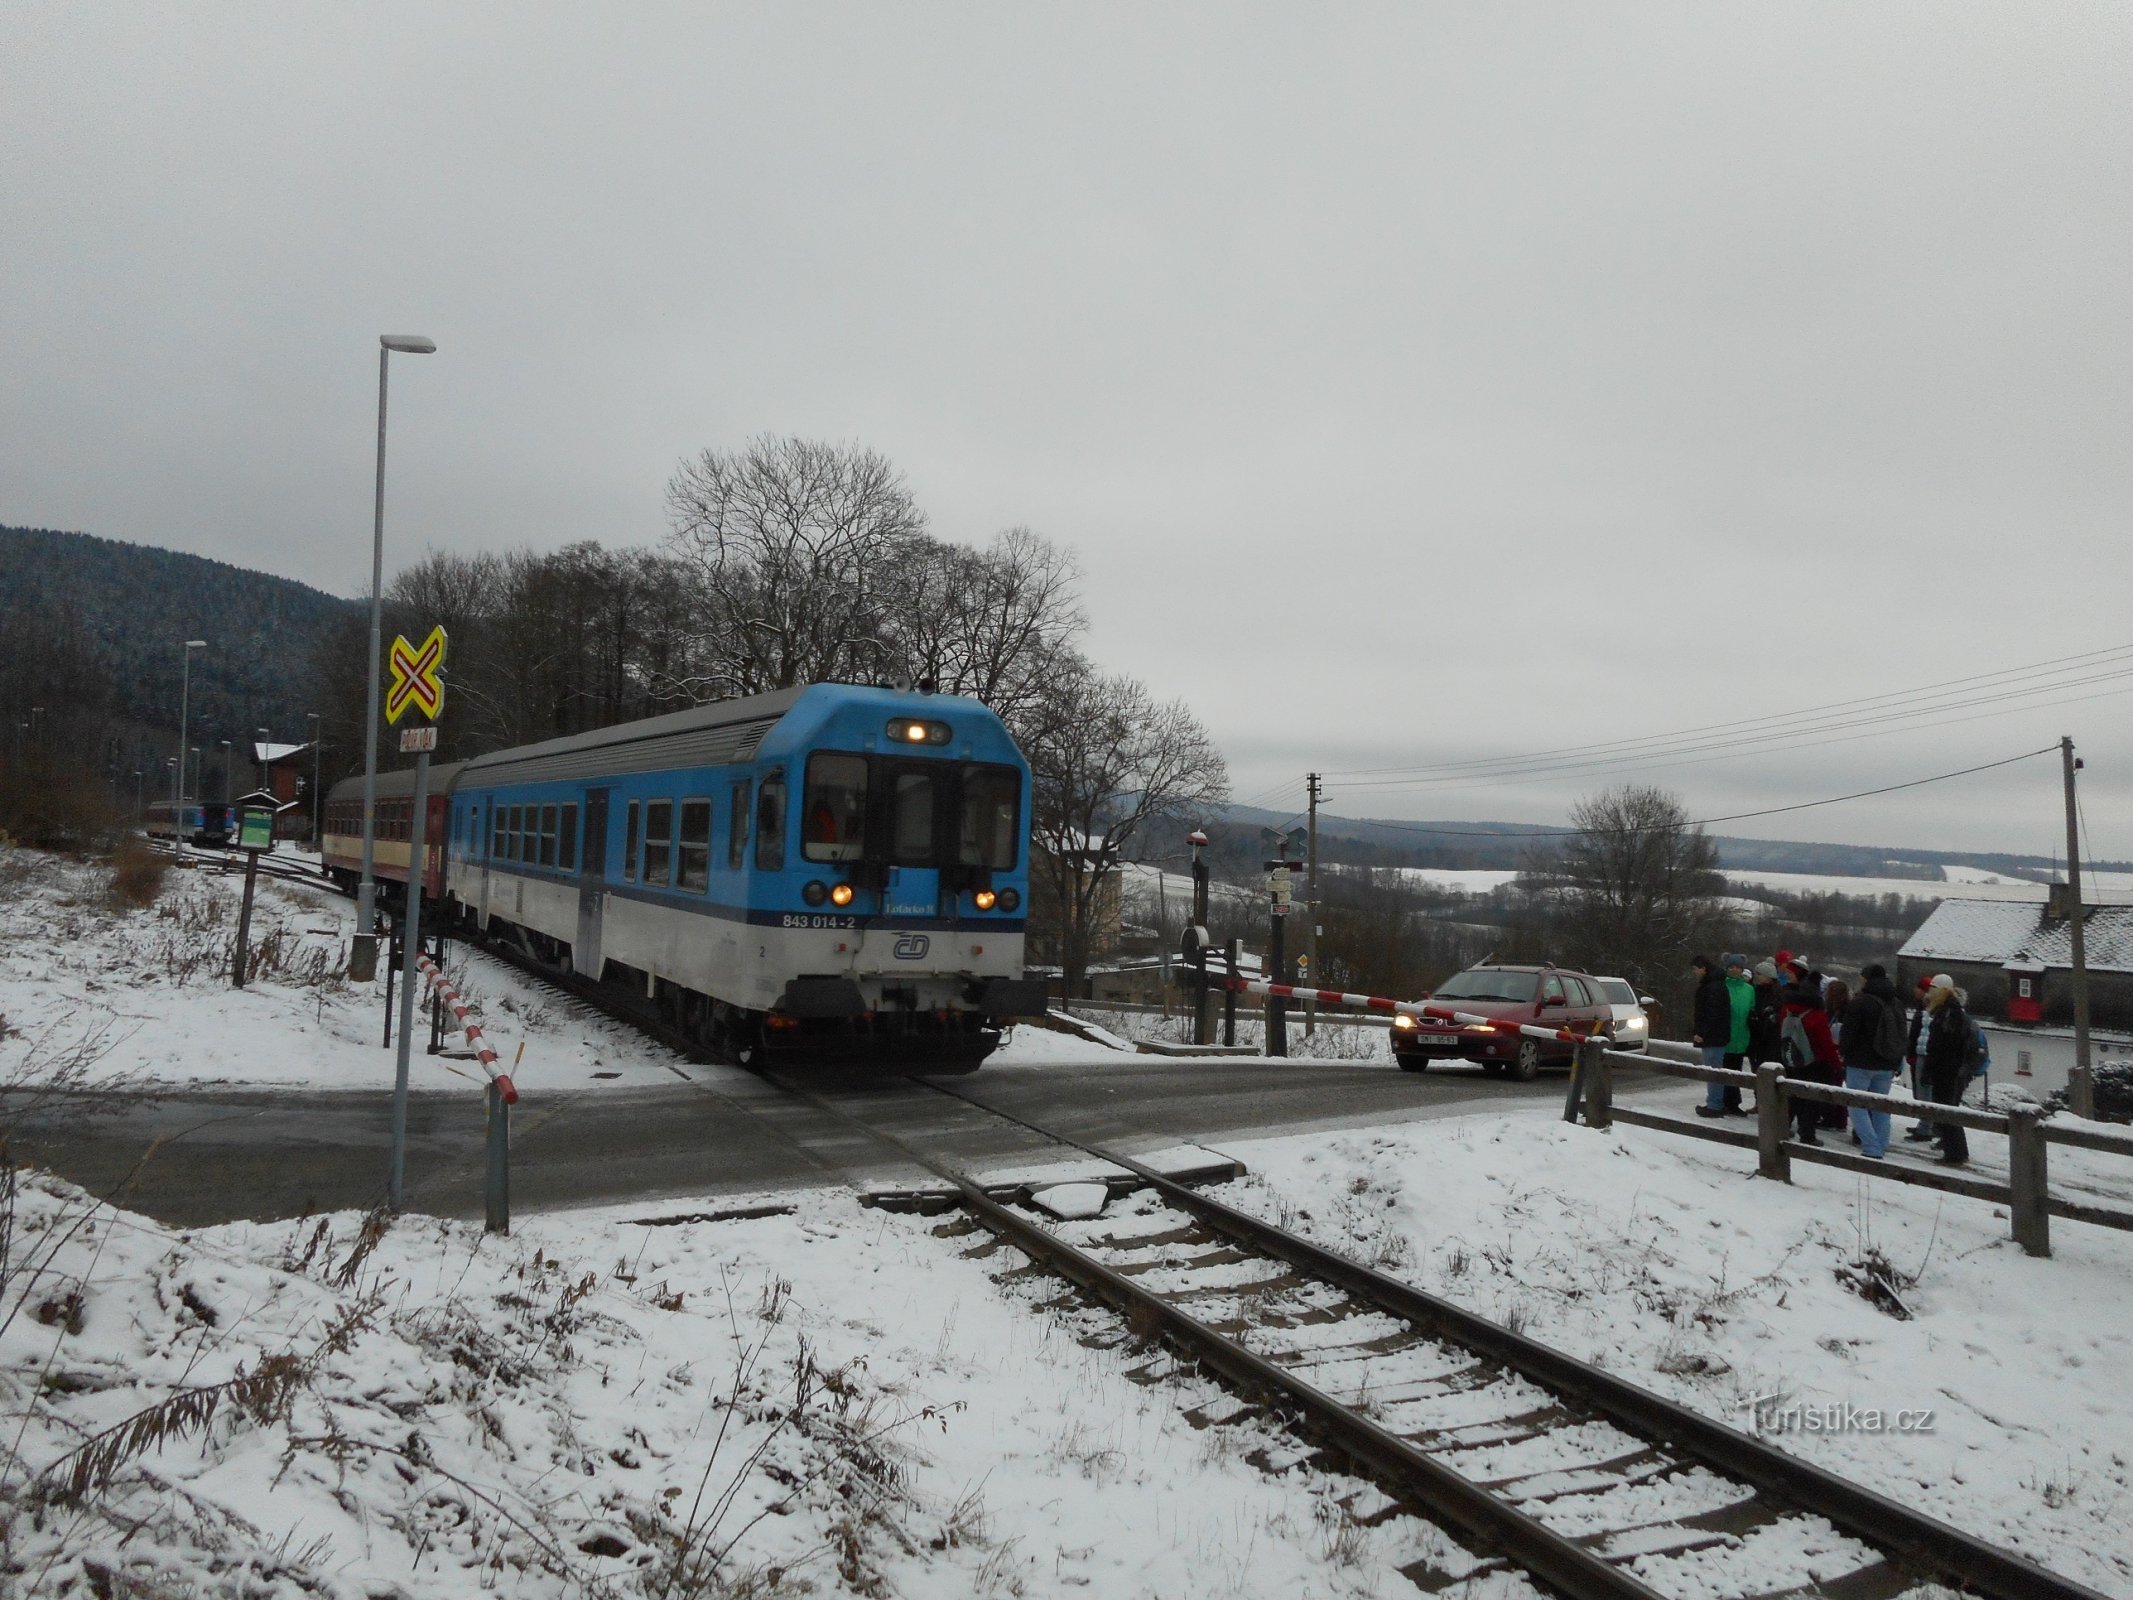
x=1931 y=1546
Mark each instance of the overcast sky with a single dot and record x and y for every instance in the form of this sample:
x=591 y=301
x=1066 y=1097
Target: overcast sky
x=1416 y=384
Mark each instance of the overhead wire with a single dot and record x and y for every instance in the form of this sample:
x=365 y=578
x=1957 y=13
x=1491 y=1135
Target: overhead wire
x=2119 y=658
x=1545 y=775
x=1499 y=769
x=1704 y=822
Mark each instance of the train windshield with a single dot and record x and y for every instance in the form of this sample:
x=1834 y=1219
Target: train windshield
x=991 y=817
x=835 y=828
x=910 y=813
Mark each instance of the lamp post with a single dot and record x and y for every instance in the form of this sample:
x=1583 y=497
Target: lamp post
x=138 y=810
x=225 y=768
x=318 y=736
x=177 y=788
x=199 y=798
x=363 y=954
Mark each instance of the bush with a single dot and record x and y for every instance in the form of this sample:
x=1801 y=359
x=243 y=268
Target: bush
x=137 y=873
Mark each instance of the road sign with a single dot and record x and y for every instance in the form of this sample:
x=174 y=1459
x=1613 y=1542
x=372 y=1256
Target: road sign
x=413 y=740
x=418 y=677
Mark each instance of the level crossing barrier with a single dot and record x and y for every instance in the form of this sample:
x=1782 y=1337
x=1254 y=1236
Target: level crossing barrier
x=500 y=1096
x=1402 y=1008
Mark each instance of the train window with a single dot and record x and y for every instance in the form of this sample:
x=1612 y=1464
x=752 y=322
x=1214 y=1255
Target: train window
x=496 y=833
x=692 y=865
x=737 y=828
x=629 y=844
x=992 y=815
x=770 y=821
x=835 y=817
x=658 y=839
x=548 y=820
x=911 y=823
x=566 y=843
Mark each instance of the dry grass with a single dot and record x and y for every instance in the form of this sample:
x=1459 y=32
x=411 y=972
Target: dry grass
x=137 y=874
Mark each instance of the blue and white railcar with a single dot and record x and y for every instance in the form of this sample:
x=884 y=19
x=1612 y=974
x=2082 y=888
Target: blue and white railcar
x=819 y=870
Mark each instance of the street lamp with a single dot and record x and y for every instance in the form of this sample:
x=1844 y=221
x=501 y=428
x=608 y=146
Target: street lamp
x=318 y=737
x=177 y=789
x=138 y=812
x=363 y=955
x=225 y=768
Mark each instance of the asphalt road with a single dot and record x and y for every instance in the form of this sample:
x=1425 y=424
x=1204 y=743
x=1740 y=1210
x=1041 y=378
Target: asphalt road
x=192 y=1158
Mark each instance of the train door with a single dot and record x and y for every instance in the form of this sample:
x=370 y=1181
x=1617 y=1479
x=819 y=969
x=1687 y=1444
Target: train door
x=484 y=847
x=592 y=886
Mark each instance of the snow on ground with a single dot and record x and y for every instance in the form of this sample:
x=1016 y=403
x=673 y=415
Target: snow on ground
x=828 y=1401
x=1671 y=1264
x=147 y=992
x=1964 y=884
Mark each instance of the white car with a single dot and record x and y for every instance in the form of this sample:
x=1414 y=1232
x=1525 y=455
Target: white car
x=1631 y=1028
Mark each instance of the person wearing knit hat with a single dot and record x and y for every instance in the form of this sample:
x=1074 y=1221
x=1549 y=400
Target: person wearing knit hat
x=1740 y=994
x=1914 y=1054
x=1947 y=1066
x=1766 y=1018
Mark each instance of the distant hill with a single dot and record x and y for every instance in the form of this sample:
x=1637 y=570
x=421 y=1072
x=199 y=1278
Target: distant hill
x=1501 y=846
x=138 y=605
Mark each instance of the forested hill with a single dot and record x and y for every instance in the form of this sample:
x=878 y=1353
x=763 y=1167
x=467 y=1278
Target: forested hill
x=133 y=607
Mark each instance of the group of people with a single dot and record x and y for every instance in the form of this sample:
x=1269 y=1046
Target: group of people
x=1821 y=1030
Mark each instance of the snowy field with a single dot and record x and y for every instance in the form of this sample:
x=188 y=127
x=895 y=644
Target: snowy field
x=667 y=1398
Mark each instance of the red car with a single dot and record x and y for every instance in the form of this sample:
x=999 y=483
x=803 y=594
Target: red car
x=1547 y=997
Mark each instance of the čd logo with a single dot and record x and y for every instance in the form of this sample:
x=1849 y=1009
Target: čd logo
x=913 y=947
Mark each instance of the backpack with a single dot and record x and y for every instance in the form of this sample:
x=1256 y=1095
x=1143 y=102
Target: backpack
x=1889 y=1038
x=1977 y=1049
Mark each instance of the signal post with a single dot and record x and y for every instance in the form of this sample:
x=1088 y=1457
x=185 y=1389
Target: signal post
x=418 y=684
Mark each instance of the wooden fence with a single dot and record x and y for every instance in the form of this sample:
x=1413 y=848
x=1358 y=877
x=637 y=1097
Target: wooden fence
x=2030 y=1134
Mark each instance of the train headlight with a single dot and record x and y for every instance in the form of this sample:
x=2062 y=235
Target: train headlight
x=1010 y=899
x=914 y=730
x=841 y=895
x=985 y=899
x=815 y=893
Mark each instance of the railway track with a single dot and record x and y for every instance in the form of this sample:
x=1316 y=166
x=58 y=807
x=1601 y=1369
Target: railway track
x=1539 y=1464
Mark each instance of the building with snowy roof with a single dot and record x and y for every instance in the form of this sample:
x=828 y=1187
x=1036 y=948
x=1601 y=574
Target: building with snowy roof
x=2016 y=959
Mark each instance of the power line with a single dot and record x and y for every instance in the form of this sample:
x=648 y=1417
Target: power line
x=1542 y=775
x=1737 y=816
x=1488 y=769
x=2116 y=657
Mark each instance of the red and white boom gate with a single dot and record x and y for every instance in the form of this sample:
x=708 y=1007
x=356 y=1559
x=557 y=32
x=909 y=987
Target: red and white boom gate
x=484 y=1052
x=1402 y=1008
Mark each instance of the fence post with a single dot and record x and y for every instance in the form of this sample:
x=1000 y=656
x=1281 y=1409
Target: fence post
x=2029 y=1197
x=1772 y=1116
x=1598 y=1071
x=497 y=1192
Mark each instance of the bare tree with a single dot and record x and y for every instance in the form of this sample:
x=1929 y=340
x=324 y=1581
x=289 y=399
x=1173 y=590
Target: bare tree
x=995 y=624
x=1106 y=761
x=1637 y=890
x=796 y=545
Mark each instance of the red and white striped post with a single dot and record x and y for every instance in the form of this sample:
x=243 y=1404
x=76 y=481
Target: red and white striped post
x=500 y=1096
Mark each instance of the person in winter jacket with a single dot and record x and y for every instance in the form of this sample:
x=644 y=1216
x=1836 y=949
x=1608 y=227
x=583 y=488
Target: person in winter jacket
x=1810 y=1055
x=1867 y=1066
x=1766 y=1016
x=1947 y=1066
x=1914 y=1056
x=1740 y=994
x=1710 y=1030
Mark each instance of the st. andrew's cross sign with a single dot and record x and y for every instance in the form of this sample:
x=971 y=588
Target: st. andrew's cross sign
x=418 y=677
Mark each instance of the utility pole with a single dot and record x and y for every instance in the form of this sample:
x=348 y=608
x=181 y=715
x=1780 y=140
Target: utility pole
x=2081 y=1088
x=1318 y=981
